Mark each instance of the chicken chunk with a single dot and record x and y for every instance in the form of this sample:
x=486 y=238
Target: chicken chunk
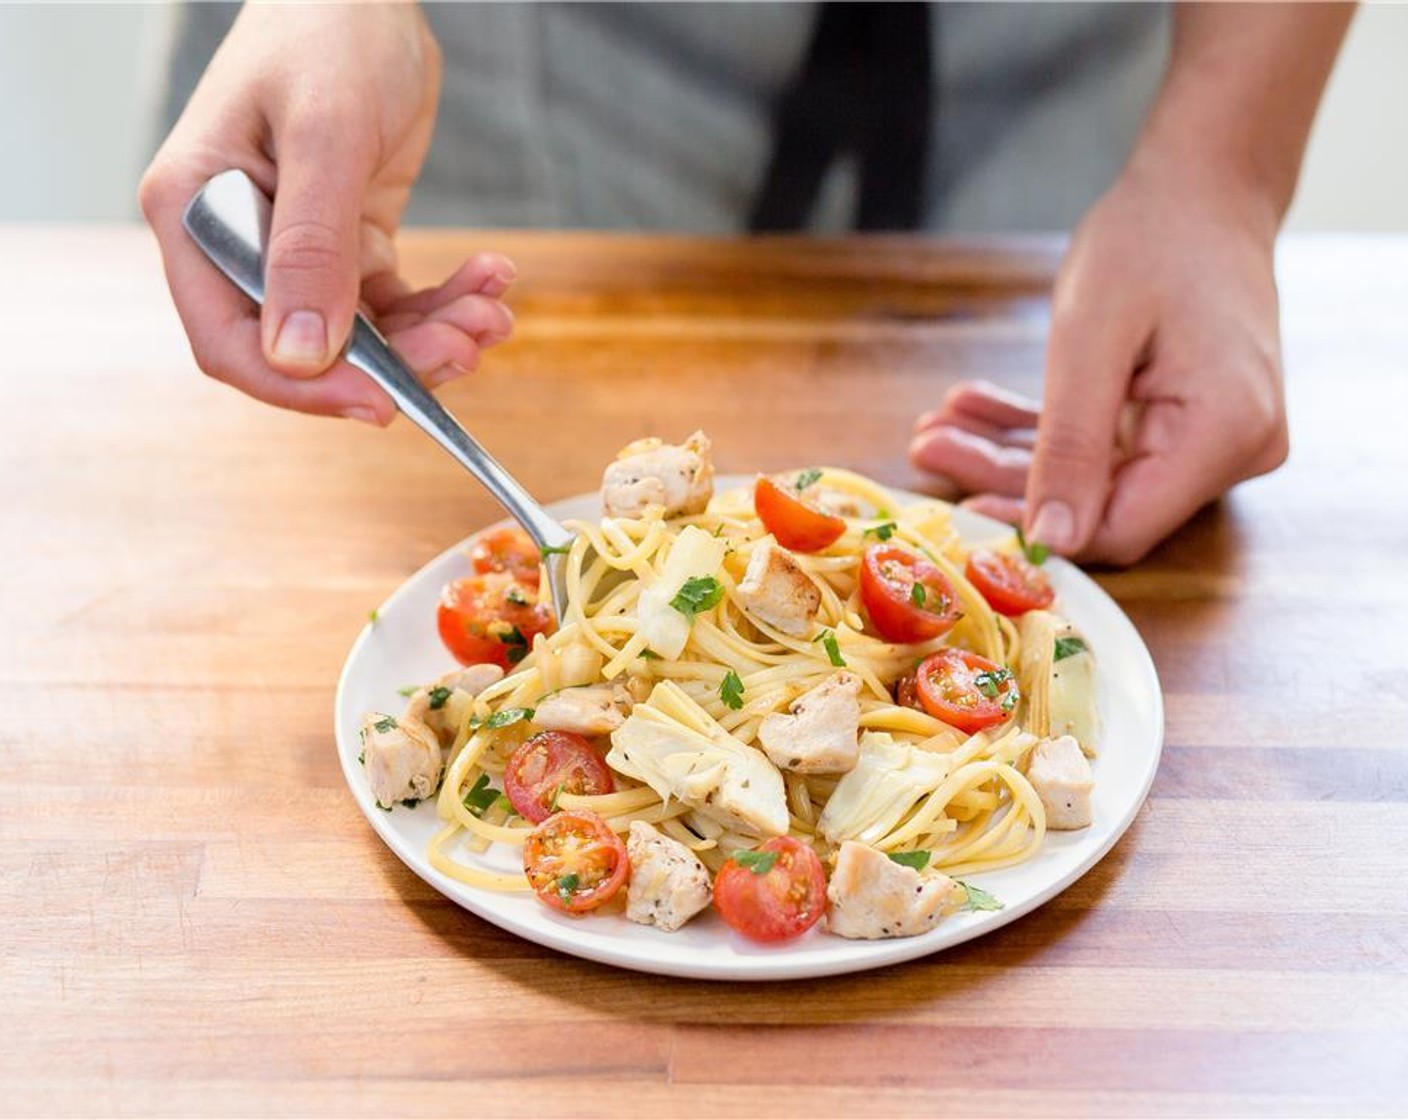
x=1061 y=776
x=677 y=477
x=441 y=705
x=819 y=733
x=777 y=591
x=668 y=885
x=589 y=710
x=874 y=897
x=402 y=759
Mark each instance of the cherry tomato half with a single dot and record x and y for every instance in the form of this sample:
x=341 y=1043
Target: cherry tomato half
x=509 y=549
x=967 y=691
x=772 y=900
x=795 y=522
x=491 y=618
x=888 y=578
x=907 y=692
x=549 y=763
x=1011 y=584
x=574 y=862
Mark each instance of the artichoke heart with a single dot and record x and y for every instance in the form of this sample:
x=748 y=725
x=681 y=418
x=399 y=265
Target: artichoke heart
x=888 y=781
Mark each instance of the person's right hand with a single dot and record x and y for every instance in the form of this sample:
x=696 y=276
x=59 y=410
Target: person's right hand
x=330 y=109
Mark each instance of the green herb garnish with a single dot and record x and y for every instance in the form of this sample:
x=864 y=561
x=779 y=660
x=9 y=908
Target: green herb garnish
x=1009 y=700
x=481 y=796
x=731 y=690
x=384 y=724
x=556 y=549
x=517 y=645
x=990 y=683
x=918 y=594
x=885 y=530
x=918 y=860
x=1035 y=552
x=833 y=648
x=978 y=899
x=1069 y=647
x=515 y=596
x=362 y=758
x=408 y=690
x=650 y=655
x=566 y=885
x=438 y=695
x=502 y=718
x=556 y=796
x=372 y=616
x=699 y=593
x=759 y=863
x=809 y=477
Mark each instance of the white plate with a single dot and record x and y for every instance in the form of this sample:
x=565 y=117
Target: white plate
x=402 y=648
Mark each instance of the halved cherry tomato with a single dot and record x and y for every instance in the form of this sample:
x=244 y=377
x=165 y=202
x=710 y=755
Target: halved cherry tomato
x=509 y=549
x=907 y=692
x=776 y=903
x=795 y=522
x=491 y=618
x=575 y=862
x=967 y=691
x=549 y=763
x=888 y=577
x=1011 y=584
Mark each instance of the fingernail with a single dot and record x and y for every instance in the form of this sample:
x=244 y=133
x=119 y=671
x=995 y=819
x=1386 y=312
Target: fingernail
x=1055 y=526
x=506 y=272
x=303 y=338
x=365 y=415
x=448 y=372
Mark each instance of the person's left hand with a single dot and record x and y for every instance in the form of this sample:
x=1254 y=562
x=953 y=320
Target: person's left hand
x=1163 y=376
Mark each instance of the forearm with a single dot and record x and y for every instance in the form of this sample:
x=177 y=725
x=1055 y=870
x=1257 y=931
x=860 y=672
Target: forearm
x=1240 y=94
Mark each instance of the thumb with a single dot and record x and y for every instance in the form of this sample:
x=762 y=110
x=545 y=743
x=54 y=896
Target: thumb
x=1090 y=360
x=312 y=274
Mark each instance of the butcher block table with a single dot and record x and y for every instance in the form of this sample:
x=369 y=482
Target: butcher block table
x=196 y=918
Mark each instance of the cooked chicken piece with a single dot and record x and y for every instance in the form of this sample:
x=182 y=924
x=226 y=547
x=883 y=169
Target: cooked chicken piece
x=777 y=591
x=873 y=897
x=650 y=472
x=402 y=759
x=819 y=733
x=668 y=884
x=442 y=704
x=1061 y=776
x=588 y=710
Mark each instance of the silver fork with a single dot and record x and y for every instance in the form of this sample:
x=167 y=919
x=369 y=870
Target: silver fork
x=229 y=220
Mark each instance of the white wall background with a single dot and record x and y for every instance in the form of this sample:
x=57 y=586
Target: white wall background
x=79 y=84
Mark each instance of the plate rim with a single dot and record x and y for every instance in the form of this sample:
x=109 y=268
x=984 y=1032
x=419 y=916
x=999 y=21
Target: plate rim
x=770 y=964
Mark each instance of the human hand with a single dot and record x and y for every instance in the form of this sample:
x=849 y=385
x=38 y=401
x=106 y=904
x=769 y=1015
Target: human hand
x=330 y=110
x=1163 y=376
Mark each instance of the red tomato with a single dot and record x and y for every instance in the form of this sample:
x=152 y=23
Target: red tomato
x=575 y=862
x=778 y=903
x=888 y=577
x=907 y=692
x=491 y=618
x=796 y=523
x=509 y=549
x=551 y=762
x=1011 y=584
x=967 y=691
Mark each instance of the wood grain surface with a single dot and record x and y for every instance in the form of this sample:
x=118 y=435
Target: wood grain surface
x=195 y=919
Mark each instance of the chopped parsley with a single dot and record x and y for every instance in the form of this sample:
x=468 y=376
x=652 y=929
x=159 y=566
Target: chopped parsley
x=809 y=477
x=885 y=530
x=372 y=616
x=759 y=863
x=833 y=648
x=384 y=724
x=990 y=683
x=481 y=796
x=517 y=645
x=502 y=718
x=917 y=860
x=411 y=802
x=556 y=796
x=1069 y=647
x=566 y=885
x=362 y=758
x=650 y=655
x=515 y=596
x=408 y=690
x=1035 y=552
x=977 y=898
x=556 y=549
x=698 y=594
x=438 y=695
x=918 y=594
x=1009 y=700
x=731 y=691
